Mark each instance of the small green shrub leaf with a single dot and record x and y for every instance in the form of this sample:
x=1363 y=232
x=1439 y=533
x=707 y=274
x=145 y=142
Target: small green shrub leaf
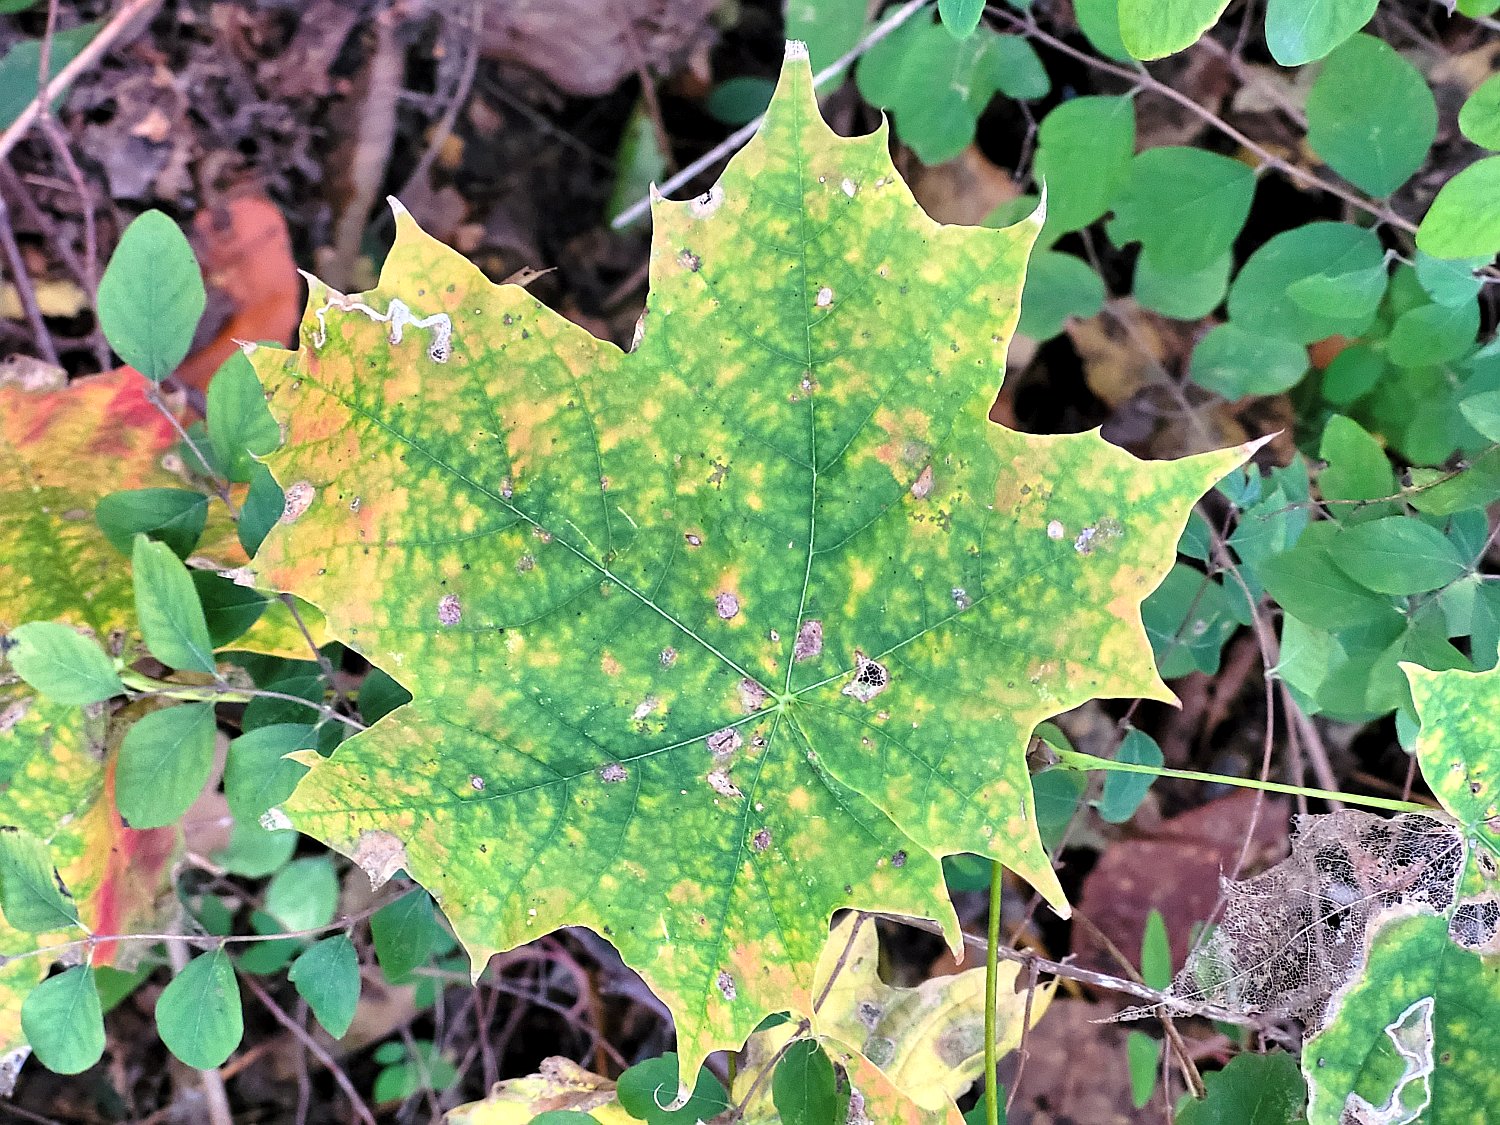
x=1433 y=334
x=1358 y=468
x=1084 y=149
x=258 y=774
x=240 y=428
x=1058 y=287
x=1353 y=374
x=63 y=1022
x=1250 y=1090
x=1354 y=295
x=1482 y=411
x=1370 y=115
x=1151 y=29
x=404 y=933
x=936 y=86
x=166 y=605
x=829 y=29
x=1479 y=118
x=151 y=296
x=1184 y=206
x=229 y=609
x=1156 y=953
x=1182 y=296
x=1397 y=555
x=803 y=1087
x=1234 y=363
x=1016 y=69
x=648 y=1086
x=327 y=977
x=304 y=894
x=1099 y=20
x=62 y=664
x=740 y=99
x=1124 y=792
x=960 y=17
x=1464 y=219
x=198 y=1014
x=1448 y=281
x=263 y=506
x=31 y=894
x=1260 y=301
x=1300 y=31
x=1143 y=1056
x=164 y=761
x=174 y=516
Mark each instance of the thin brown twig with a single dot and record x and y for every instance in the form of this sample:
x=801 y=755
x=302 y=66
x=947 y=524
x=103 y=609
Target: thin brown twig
x=456 y=102
x=1068 y=971
x=24 y=290
x=118 y=24
x=360 y=1110
x=1169 y=1026
x=1023 y=1052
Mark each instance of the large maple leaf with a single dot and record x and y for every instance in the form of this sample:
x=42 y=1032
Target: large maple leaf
x=712 y=638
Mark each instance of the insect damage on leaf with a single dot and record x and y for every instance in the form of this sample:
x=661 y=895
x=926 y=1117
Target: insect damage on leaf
x=783 y=518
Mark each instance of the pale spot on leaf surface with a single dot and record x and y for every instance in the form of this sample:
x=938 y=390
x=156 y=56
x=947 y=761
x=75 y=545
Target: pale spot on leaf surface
x=380 y=854
x=299 y=498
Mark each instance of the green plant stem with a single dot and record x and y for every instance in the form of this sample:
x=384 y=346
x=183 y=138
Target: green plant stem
x=1076 y=760
x=991 y=982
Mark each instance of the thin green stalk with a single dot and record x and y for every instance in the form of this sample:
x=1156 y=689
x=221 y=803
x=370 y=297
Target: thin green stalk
x=991 y=996
x=1077 y=760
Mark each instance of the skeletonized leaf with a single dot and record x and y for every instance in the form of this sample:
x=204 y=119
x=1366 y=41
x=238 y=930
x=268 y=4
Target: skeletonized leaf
x=712 y=638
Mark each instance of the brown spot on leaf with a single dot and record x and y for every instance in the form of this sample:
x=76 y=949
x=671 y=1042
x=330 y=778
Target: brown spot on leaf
x=726 y=605
x=612 y=773
x=752 y=696
x=689 y=261
x=809 y=642
x=723 y=742
x=693 y=540
x=299 y=498
x=449 y=612
x=476 y=783
x=922 y=487
x=668 y=657
x=899 y=859
x=718 y=781
x=380 y=854
x=726 y=985
x=961 y=598
x=761 y=840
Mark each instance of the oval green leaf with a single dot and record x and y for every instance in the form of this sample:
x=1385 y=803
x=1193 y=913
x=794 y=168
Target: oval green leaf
x=63 y=1022
x=167 y=608
x=62 y=664
x=164 y=761
x=1299 y=31
x=198 y=1014
x=803 y=1087
x=1480 y=116
x=327 y=977
x=31 y=894
x=1152 y=29
x=1370 y=115
x=151 y=296
x=1464 y=219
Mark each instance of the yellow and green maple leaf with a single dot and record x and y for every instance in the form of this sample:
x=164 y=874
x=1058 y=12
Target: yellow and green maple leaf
x=711 y=638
